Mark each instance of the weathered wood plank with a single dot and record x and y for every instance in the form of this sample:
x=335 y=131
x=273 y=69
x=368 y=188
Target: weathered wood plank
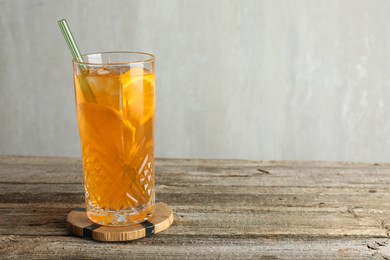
x=192 y=246
x=36 y=219
x=278 y=213
x=219 y=195
x=223 y=209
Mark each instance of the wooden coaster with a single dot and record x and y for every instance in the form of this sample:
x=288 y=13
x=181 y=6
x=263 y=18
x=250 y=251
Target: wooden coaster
x=80 y=225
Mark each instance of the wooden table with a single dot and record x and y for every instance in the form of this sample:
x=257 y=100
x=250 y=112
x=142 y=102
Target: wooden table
x=223 y=209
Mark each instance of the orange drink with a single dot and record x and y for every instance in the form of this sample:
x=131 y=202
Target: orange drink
x=115 y=101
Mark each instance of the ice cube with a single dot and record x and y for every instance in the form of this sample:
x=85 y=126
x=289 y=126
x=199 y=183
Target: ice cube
x=103 y=71
x=111 y=70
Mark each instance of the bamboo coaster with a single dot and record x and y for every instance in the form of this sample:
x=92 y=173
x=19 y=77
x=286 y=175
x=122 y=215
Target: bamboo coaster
x=80 y=225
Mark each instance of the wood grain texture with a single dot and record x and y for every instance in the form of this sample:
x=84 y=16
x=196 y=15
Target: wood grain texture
x=223 y=209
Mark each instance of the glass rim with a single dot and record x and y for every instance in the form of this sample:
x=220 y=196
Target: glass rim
x=150 y=58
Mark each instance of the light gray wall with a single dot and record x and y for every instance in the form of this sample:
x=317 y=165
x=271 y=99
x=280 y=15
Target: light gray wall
x=235 y=79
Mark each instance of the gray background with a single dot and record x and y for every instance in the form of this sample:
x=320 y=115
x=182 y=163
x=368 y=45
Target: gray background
x=235 y=79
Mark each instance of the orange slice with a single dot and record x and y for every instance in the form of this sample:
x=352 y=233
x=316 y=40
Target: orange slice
x=138 y=96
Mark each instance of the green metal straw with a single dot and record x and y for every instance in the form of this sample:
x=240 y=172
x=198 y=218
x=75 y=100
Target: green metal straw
x=74 y=50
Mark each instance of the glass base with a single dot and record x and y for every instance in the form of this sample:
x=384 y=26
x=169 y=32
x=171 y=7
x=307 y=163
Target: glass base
x=123 y=217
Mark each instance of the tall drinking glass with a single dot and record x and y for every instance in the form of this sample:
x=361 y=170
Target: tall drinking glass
x=115 y=101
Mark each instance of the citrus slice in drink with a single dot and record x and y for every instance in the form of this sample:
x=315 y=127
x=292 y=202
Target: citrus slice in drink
x=138 y=98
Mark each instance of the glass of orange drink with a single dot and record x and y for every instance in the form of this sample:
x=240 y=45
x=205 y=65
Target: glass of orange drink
x=115 y=103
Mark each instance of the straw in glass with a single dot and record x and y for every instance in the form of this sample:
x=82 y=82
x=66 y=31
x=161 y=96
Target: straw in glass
x=74 y=50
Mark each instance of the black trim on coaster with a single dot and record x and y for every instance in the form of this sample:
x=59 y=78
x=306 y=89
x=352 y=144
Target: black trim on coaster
x=80 y=209
x=87 y=231
x=149 y=228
